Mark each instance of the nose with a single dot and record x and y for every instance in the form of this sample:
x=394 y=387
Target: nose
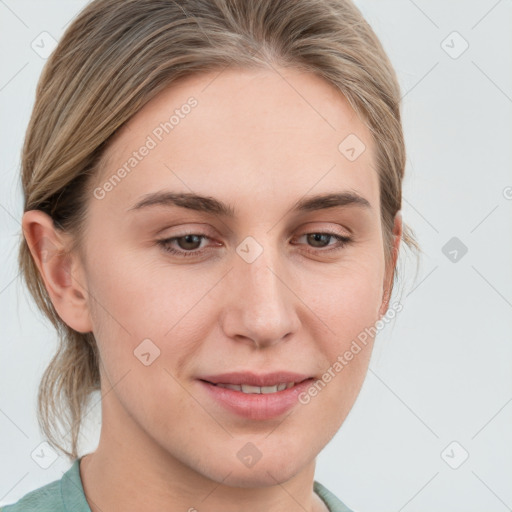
x=261 y=306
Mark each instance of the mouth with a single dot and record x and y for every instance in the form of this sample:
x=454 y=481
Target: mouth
x=257 y=383
x=256 y=397
x=247 y=388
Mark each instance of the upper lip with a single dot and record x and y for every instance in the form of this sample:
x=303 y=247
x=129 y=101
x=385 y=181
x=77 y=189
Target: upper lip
x=254 y=379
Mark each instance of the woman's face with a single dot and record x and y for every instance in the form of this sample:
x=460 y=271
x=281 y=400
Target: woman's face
x=258 y=283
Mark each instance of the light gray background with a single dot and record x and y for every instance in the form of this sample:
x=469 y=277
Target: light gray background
x=442 y=372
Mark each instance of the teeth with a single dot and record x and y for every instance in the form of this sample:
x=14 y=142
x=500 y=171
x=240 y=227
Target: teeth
x=246 y=388
x=250 y=389
x=236 y=387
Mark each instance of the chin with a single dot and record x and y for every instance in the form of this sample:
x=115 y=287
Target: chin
x=265 y=476
x=266 y=472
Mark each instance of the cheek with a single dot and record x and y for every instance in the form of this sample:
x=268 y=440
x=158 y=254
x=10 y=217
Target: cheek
x=140 y=308
x=142 y=297
x=348 y=299
x=348 y=311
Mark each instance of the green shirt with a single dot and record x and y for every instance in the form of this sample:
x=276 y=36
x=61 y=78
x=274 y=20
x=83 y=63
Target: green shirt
x=67 y=495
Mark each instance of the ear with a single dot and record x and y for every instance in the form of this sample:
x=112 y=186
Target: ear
x=61 y=271
x=390 y=271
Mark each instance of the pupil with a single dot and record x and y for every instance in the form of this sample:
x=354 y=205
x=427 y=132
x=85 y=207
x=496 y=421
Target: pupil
x=318 y=236
x=189 y=239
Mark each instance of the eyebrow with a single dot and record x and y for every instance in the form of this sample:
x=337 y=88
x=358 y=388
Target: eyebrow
x=214 y=206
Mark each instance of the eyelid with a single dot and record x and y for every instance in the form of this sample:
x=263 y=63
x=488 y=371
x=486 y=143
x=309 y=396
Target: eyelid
x=319 y=227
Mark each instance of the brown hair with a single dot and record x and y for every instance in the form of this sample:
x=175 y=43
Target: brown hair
x=114 y=58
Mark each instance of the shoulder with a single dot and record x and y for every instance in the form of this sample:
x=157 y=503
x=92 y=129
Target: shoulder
x=64 y=495
x=332 y=501
x=47 y=498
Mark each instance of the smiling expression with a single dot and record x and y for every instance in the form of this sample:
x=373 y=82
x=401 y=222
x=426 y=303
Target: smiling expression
x=242 y=241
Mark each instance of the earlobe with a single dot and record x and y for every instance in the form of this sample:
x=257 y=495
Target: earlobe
x=390 y=272
x=60 y=270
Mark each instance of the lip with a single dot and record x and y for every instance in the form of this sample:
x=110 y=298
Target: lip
x=256 y=406
x=254 y=379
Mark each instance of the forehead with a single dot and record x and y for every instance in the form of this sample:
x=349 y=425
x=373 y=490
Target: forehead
x=255 y=133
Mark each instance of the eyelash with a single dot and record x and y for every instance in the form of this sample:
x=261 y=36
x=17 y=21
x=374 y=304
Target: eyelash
x=164 y=244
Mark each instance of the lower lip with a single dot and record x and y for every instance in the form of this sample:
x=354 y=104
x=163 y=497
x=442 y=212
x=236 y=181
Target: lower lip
x=257 y=406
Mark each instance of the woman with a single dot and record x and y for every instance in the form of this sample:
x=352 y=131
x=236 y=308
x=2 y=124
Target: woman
x=212 y=221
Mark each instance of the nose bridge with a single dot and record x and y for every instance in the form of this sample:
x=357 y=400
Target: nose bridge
x=260 y=305
x=262 y=281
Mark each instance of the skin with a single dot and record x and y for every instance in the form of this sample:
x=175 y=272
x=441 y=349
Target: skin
x=259 y=141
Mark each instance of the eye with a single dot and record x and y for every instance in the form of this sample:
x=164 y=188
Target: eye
x=189 y=244
x=320 y=240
